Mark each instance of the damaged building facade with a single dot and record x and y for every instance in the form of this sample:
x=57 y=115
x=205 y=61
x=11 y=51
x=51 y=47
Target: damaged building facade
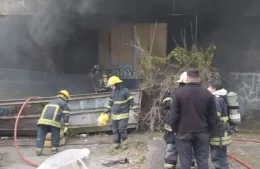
x=47 y=43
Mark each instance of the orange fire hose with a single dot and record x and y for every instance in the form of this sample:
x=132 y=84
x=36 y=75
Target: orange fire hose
x=37 y=165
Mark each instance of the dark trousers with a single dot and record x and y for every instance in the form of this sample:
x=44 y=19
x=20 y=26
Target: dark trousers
x=171 y=155
x=219 y=157
x=200 y=144
x=42 y=131
x=119 y=128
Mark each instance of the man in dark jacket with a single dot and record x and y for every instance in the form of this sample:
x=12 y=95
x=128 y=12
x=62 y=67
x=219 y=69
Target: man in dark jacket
x=193 y=116
x=119 y=104
x=171 y=152
x=221 y=137
x=50 y=121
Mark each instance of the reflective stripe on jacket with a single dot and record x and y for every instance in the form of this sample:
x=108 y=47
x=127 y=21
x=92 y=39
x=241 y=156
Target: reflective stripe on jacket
x=167 y=100
x=53 y=112
x=221 y=136
x=119 y=103
x=169 y=135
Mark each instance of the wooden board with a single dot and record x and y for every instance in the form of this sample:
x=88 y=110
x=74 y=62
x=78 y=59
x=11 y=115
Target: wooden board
x=141 y=35
x=104 y=47
x=127 y=50
x=115 y=45
x=158 y=39
x=116 y=50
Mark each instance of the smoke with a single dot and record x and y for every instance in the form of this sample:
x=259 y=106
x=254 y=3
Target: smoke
x=26 y=39
x=58 y=20
x=56 y=36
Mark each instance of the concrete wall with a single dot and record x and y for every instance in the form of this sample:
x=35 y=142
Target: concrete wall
x=234 y=28
x=247 y=85
x=236 y=35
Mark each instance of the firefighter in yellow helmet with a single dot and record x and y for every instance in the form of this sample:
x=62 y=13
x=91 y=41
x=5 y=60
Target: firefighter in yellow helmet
x=50 y=121
x=119 y=104
x=171 y=152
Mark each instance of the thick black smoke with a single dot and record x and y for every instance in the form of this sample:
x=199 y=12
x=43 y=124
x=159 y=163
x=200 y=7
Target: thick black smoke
x=56 y=36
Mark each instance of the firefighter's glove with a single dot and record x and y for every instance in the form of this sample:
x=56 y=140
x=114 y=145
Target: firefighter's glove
x=135 y=109
x=166 y=103
x=107 y=111
x=66 y=131
x=136 y=116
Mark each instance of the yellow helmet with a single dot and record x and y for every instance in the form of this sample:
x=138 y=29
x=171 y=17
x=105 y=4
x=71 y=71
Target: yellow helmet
x=65 y=93
x=113 y=80
x=102 y=119
x=183 y=78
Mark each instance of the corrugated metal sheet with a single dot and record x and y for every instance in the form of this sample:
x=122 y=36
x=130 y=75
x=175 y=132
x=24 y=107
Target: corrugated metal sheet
x=85 y=110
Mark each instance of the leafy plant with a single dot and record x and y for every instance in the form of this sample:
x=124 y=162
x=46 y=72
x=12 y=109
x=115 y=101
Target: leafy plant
x=159 y=75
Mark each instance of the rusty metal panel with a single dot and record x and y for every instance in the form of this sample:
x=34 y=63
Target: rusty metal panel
x=104 y=47
x=85 y=110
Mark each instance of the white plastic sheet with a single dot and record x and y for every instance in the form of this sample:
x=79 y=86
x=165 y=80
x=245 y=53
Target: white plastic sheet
x=68 y=159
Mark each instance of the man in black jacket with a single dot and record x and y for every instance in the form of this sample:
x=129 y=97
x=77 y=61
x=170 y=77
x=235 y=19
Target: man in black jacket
x=171 y=152
x=193 y=116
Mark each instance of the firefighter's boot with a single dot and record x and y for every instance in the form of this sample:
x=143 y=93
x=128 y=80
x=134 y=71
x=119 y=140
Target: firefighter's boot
x=116 y=146
x=54 y=150
x=124 y=145
x=39 y=151
x=193 y=164
x=168 y=166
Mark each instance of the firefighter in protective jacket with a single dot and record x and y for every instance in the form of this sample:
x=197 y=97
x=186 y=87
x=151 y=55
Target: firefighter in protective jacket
x=221 y=137
x=119 y=104
x=171 y=152
x=50 y=121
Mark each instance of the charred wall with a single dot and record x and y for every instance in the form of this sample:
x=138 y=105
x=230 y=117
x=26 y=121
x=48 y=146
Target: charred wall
x=238 y=56
x=233 y=27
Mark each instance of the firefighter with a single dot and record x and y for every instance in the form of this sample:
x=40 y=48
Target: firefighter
x=119 y=104
x=192 y=116
x=221 y=137
x=99 y=79
x=171 y=152
x=50 y=121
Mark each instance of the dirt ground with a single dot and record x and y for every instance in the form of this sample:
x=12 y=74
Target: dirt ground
x=146 y=151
